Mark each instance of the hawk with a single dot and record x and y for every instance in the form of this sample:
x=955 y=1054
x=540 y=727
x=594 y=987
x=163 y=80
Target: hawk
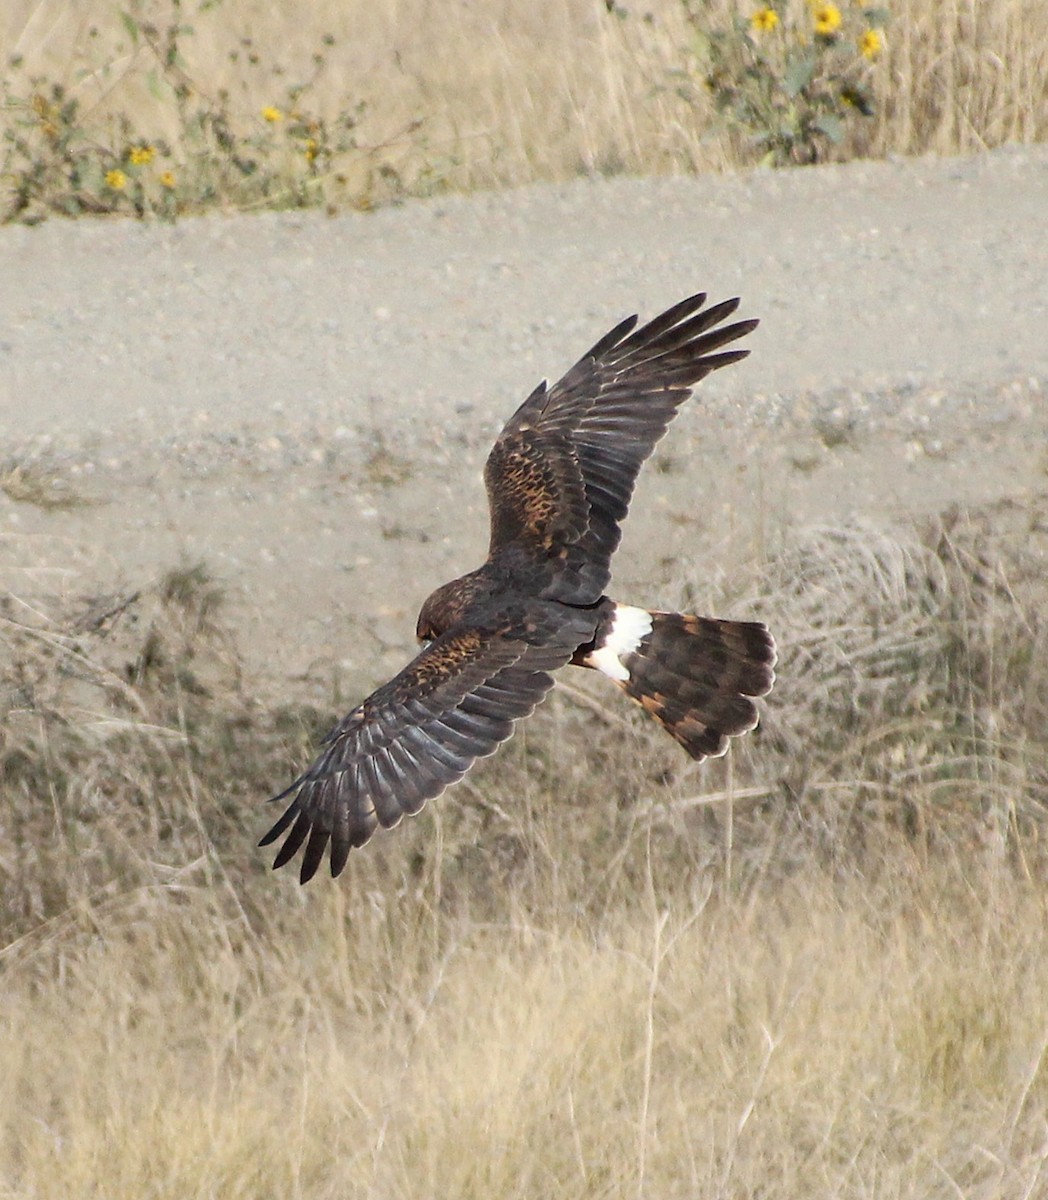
x=559 y=481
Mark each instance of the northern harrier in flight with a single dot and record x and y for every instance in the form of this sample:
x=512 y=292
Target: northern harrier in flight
x=559 y=482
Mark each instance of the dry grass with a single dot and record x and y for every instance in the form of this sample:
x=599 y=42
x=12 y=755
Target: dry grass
x=547 y=985
x=31 y=481
x=963 y=76
x=493 y=94
x=808 y=1039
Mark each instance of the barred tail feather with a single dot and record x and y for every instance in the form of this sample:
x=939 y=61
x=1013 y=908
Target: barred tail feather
x=696 y=676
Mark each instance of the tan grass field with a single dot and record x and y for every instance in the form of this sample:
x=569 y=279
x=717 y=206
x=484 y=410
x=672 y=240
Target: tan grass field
x=812 y=1036
x=494 y=94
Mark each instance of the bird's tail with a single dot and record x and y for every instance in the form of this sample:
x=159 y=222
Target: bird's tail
x=695 y=675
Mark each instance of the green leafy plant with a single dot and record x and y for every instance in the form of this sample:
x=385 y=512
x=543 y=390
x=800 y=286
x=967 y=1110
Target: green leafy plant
x=790 y=81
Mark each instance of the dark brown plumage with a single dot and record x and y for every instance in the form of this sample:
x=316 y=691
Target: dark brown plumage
x=559 y=481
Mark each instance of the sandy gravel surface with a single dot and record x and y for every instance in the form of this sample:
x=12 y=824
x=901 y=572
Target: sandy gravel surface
x=305 y=402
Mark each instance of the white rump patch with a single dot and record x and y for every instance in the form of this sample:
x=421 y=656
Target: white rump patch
x=629 y=627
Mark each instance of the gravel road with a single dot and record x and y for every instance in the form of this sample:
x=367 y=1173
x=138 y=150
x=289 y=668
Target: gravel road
x=305 y=401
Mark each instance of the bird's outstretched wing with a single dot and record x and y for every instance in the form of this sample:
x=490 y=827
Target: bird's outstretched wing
x=561 y=475
x=454 y=703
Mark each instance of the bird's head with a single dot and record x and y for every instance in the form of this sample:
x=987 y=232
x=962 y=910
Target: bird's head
x=448 y=605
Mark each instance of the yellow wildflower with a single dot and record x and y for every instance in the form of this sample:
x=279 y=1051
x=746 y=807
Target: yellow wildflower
x=827 y=19
x=272 y=114
x=871 y=43
x=140 y=155
x=116 y=179
x=166 y=179
x=311 y=149
x=764 y=20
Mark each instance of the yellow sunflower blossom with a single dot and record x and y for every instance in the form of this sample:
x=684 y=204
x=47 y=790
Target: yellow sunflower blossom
x=166 y=179
x=140 y=155
x=827 y=19
x=871 y=44
x=116 y=179
x=272 y=114
x=764 y=20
